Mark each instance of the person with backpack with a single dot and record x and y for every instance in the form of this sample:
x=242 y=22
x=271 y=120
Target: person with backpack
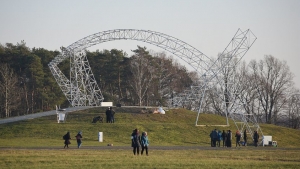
x=78 y=138
x=144 y=143
x=238 y=138
x=67 y=139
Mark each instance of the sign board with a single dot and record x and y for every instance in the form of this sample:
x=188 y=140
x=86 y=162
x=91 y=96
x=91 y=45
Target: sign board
x=106 y=104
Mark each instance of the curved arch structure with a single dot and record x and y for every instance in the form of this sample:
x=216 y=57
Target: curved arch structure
x=82 y=90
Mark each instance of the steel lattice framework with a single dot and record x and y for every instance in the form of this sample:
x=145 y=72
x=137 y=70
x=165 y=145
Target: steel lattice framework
x=220 y=80
x=236 y=49
x=82 y=90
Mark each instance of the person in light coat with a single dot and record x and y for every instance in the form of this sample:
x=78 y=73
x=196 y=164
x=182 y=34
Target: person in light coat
x=144 y=142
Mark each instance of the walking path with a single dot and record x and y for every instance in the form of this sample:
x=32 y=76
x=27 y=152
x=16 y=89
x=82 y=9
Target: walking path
x=266 y=148
x=42 y=114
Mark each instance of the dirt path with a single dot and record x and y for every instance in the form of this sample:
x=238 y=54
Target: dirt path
x=152 y=148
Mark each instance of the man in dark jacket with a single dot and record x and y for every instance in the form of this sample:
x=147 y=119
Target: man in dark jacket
x=107 y=113
x=215 y=137
x=224 y=137
x=136 y=142
x=245 y=137
x=112 y=115
x=255 y=138
x=229 y=138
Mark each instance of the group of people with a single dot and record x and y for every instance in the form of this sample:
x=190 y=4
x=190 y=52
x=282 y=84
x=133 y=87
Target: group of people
x=138 y=141
x=67 y=138
x=226 y=137
x=110 y=115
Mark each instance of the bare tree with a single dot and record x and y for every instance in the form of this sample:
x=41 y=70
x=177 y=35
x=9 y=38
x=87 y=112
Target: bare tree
x=272 y=79
x=9 y=90
x=294 y=111
x=226 y=89
x=142 y=73
x=166 y=73
x=247 y=91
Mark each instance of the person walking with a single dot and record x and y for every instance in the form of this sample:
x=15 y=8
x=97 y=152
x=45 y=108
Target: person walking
x=255 y=138
x=224 y=137
x=67 y=139
x=237 y=138
x=78 y=138
x=136 y=142
x=144 y=143
x=245 y=137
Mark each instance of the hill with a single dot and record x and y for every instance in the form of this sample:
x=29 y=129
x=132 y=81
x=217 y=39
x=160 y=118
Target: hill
x=176 y=127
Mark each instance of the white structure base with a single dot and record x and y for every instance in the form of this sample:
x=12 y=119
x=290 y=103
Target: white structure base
x=266 y=140
x=100 y=136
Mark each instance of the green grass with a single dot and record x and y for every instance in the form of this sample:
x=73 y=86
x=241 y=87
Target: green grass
x=176 y=127
x=170 y=159
x=37 y=143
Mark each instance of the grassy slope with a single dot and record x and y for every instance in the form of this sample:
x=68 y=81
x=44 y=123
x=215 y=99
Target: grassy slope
x=176 y=127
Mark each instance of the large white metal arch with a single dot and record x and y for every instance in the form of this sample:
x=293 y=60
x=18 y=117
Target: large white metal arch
x=181 y=49
x=82 y=89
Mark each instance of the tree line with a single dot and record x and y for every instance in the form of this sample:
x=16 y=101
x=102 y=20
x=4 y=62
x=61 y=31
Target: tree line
x=144 y=79
x=266 y=89
x=147 y=78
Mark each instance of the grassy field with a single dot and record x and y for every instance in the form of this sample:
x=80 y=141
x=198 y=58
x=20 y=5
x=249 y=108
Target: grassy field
x=37 y=143
x=82 y=158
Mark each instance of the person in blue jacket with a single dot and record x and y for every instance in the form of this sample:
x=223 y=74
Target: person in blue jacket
x=144 y=142
x=215 y=137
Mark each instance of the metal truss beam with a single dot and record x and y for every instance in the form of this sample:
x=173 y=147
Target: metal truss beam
x=82 y=90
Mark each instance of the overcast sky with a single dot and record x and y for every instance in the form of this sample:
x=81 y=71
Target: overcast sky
x=207 y=25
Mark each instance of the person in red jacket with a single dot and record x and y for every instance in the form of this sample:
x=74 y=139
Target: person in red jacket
x=78 y=138
x=238 y=138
